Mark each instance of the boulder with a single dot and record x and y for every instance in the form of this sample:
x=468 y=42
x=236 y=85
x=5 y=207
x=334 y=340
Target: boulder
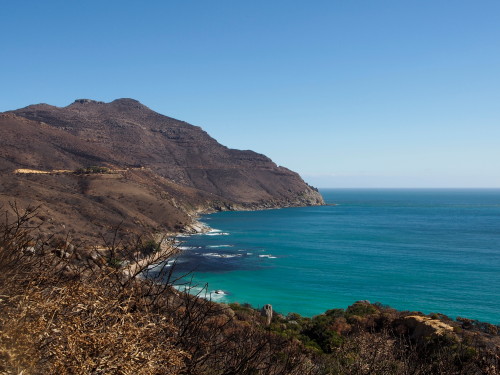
x=423 y=326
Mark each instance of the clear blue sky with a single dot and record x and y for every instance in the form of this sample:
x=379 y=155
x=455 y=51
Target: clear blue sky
x=368 y=93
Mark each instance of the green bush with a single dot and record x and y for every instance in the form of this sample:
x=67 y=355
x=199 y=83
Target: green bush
x=335 y=313
x=150 y=247
x=361 y=309
x=92 y=170
x=321 y=331
x=115 y=262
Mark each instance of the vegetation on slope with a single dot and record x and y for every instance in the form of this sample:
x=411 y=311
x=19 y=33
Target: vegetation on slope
x=63 y=311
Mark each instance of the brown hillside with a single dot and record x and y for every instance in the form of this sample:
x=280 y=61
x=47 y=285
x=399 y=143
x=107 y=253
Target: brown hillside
x=162 y=169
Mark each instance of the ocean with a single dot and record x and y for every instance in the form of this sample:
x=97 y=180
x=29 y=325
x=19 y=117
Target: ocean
x=429 y=250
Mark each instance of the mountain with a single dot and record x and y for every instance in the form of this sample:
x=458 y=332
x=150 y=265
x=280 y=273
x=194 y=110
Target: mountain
x=160 y=171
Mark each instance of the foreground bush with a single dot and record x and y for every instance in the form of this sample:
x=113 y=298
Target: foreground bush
x=74 y=327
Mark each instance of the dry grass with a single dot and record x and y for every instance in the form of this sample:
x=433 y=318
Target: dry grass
x=59 y=318
x=37 y=171
x=83 y=327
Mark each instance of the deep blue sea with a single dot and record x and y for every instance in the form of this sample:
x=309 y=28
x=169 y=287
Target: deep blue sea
x=431 y=250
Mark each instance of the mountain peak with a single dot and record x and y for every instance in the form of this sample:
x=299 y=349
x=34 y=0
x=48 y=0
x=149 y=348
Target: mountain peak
x=126 y=101
x=127 y=104
x=122 y=102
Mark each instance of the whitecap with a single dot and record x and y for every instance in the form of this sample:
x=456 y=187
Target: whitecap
x=187 y=247
x=214 y=295
x=159 y=266
x=153 y=267
x=245 y=251
x=269 y=256
x=217 y=297
x=219 y=255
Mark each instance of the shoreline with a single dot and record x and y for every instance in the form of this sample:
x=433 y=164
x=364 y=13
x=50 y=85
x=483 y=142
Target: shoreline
x=168 y=247
x=163 y=254
x=480 y=312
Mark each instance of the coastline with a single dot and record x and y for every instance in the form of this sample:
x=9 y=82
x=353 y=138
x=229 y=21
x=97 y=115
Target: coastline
x=168 y=247
x=165 y=252
x=399 y=277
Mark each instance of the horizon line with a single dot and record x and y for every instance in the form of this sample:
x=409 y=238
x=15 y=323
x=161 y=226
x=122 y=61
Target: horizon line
x=414 y=188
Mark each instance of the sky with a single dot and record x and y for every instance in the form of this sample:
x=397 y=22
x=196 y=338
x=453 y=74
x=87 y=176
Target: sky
x=359 y=93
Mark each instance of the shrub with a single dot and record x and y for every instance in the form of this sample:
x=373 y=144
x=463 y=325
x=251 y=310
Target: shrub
x=361 y=309
x=92 y=170
x=149 y=247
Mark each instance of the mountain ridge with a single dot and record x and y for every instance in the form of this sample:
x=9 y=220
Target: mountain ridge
x=156 y=155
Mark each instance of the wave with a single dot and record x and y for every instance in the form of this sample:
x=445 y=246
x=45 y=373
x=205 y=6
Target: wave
x=217 y=295
x=159 y=266
x=219 y=255
x=269 y=256
x=188 y=247
x=243 y=251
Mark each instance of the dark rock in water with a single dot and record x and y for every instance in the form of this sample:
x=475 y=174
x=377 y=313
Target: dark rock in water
x=267 y=312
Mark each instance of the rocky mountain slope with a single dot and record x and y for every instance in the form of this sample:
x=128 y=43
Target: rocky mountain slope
x=159 y=170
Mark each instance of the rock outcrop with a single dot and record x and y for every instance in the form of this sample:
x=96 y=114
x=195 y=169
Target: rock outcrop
x=421 y=327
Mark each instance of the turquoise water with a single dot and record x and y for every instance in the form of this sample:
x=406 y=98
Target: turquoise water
x=426 y=250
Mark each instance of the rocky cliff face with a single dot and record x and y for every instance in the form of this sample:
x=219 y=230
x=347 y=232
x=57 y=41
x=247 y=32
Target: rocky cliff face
x=150 y=150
